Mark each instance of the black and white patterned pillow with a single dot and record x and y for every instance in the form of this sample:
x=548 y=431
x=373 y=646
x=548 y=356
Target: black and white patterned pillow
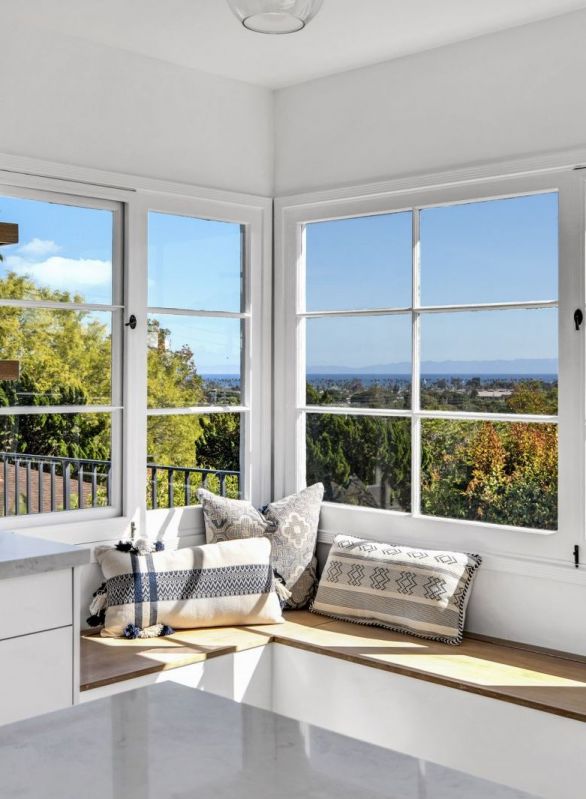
x=291 y=526
x=224 y=584
x=423 y=592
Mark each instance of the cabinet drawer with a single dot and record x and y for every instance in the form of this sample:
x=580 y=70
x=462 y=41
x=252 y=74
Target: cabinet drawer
x=36 y=602
x=36 y=674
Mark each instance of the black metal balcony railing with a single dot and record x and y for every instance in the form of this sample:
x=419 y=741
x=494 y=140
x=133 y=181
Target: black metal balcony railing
x=42 y=484
x=168 y=482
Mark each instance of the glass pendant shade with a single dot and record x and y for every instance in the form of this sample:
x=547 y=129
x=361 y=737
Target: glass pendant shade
x=275 y=16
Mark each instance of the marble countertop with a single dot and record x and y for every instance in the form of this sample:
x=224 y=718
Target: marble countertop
x=171 y=742
x=21 y=555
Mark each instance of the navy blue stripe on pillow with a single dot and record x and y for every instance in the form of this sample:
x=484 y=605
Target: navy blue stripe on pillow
x=138 y=597
x=153 y=590
x=184 y=584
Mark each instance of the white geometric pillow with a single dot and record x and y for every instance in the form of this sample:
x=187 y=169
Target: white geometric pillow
x=423 y=592
x=215 y=585
x=291 y=526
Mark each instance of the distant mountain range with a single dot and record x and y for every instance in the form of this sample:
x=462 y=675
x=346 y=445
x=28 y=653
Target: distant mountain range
x=519 y=366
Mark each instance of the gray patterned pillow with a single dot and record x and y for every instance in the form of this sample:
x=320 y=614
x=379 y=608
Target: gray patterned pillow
x=290 y=524
x=423 y=592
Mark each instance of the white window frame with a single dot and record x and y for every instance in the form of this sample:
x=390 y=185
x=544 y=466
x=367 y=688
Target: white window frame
x=133 y=198
x=290 y=404
x=116 y=309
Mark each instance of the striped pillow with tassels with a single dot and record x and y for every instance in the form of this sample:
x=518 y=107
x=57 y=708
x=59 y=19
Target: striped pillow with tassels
x=146 y=594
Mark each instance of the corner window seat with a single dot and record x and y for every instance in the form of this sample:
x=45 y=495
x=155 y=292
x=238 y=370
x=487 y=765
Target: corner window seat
x=551 y=682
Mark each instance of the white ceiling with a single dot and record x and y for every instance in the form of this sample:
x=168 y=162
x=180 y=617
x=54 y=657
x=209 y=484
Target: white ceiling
x=203 y=34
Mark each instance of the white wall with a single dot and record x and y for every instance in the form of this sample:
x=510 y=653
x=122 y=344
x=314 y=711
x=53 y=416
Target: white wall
x=504 y=95
x=83 y=104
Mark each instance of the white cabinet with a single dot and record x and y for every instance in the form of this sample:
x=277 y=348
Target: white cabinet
x=36 y=674
x=36 y=602
x=36 y=644
x=39 y=636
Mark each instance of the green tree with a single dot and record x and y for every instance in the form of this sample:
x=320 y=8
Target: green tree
x=62 y=354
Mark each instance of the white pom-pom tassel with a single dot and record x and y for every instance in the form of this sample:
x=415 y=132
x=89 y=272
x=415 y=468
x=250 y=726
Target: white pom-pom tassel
x=145 y=546
x=98 y=604
x=282 y=591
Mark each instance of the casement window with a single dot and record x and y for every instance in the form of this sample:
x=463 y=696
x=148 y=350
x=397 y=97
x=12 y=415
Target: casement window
x=434 y=367
x=196 y=336
x=60 y=355
x=134 y=357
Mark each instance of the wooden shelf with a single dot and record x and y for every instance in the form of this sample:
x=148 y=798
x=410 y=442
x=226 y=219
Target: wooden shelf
x=550 y=682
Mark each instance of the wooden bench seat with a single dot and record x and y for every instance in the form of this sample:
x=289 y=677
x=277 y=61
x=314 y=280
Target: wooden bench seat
x=551 y=682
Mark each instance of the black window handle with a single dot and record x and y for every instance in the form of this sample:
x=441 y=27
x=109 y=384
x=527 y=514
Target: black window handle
x=131 y=322
x=578 y=318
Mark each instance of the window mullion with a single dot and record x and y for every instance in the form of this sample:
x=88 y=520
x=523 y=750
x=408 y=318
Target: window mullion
x=135 y=372
x=415 y=367
x=300 y=420
x=572 y=506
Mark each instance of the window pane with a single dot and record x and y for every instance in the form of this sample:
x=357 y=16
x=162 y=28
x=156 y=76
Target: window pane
x=55 y=462
x=193 y=361
x=490 y=472
x=194 y=263
x=361 y=361
x=358 y=263
x=64 y=252
x=186 y=452
x=55 y=357
x=361 y=460
x=491 y=251
x=494 y=361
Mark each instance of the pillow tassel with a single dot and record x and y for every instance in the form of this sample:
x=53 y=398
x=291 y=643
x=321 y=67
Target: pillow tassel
x=98 y=607
x=281 y=589
x=142 y=546
x=131 y=631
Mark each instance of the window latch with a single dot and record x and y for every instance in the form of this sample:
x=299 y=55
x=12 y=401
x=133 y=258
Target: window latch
x=577 y=556
x=131 y=322
x=578 y=318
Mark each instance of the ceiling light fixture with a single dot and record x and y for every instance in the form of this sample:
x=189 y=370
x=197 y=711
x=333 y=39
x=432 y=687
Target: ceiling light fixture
x=275 y=16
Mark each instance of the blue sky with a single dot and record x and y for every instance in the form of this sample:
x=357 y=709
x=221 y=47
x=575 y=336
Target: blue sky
x=215 y=342
x=60 y=246
x=193 y=263
x=497 y=251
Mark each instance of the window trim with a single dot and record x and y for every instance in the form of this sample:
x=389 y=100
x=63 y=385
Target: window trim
x=135 y=196
x=292 y=215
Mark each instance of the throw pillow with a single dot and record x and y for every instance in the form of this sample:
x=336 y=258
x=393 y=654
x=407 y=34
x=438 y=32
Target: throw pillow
x=423 y=592
x=225 y=584
x=290 y=524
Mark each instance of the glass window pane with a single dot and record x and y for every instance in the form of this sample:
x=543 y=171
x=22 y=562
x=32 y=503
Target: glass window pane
x=361 y=460
x=194 y=263
x=491 y=251
x=54 y=357
x=364 y=262
x=490 y=472
x=186 y=452
x=494 y=361
x=361 y=361
x=64 y=252
x=55 y=462
x=193 y=361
